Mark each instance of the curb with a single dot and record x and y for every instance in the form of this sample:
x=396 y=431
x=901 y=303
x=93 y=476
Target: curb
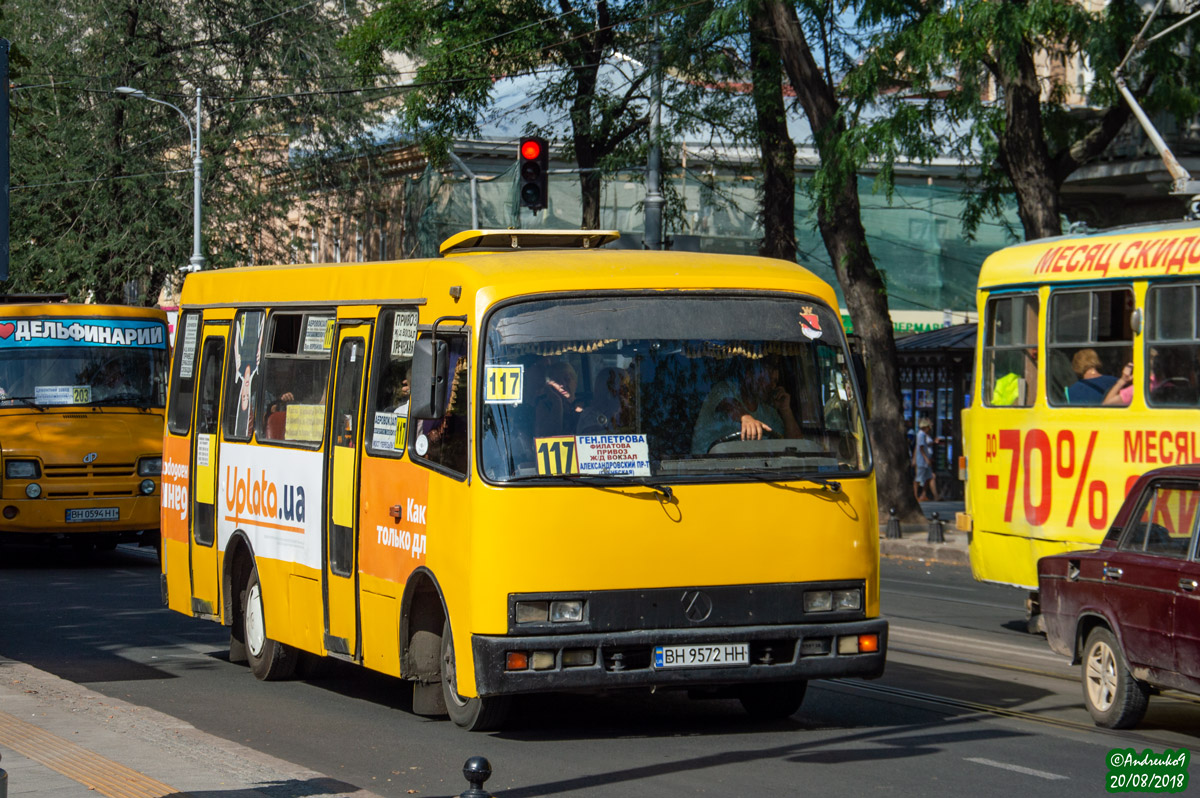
x=946 y=553
x=151 y=743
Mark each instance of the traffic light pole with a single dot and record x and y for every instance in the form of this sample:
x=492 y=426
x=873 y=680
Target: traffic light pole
x=654 y=199
x=4 y=95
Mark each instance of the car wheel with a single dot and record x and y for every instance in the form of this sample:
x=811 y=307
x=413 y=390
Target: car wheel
x=473 y=714
x=1115 y=699
x=772 y=700
x=269 y=659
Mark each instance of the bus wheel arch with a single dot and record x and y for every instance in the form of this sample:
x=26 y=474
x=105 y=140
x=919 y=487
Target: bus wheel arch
x=422 y=613
x=238 y=563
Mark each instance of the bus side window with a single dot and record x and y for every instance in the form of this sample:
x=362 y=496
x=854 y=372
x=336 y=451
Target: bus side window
x=1173 y=351
x=387 y=421
x=1091 y=330
x=295 y=376
x=443 y=441
x=183 y=378
x=1010 y=361
x=241 y=375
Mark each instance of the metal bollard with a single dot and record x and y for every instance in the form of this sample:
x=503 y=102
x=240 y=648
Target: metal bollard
x=476 y=771
x=936 y=534
x=893 y=525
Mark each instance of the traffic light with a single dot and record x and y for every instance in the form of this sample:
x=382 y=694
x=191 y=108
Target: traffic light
x=533 y=162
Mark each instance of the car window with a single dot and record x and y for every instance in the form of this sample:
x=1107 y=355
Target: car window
x=1165 y=524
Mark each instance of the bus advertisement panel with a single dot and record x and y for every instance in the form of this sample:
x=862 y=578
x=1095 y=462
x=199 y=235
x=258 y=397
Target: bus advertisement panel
x=1087 y=375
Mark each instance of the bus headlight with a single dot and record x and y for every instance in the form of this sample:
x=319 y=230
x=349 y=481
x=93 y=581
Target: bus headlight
x=147 y=486
x=566 y=611
x=847 y=599
x=33 y=490
x=150 y=467
x=549 y=611
x=818 y=600
x=22 y=469
x=532 y=611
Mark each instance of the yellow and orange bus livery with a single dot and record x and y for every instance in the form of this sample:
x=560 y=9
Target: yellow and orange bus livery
x=516 y=469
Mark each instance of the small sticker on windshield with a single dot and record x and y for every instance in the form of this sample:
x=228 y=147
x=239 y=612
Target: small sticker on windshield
x=810 y=323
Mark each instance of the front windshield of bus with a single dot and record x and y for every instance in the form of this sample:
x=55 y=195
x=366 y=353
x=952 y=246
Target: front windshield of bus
x=83 y=361
x=663 y=387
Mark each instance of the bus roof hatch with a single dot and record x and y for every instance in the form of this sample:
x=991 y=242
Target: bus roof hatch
x=504 y=240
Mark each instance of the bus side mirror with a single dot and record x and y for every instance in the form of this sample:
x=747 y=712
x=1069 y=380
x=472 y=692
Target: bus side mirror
x=429 y=379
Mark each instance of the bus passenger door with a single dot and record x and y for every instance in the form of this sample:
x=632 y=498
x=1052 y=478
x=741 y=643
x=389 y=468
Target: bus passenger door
x=202 y=542
x=341 y=476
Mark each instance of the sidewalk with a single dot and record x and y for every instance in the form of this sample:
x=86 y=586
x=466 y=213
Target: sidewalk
x=914 y=545
x=63 y=740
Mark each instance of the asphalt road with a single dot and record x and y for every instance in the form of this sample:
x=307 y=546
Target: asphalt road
x=970 y=703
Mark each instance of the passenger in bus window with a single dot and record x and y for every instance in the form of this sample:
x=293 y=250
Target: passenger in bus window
x=1121 y=393
x=611 y=408
x=1171 y=377
x=556 y=405
x=1092 y=386
x=752 y=403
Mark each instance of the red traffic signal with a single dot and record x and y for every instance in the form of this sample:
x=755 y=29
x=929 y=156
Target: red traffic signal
x=532 y=173
x=531 y=149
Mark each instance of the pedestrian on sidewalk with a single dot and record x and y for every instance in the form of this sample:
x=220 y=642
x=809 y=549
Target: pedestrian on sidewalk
x=923 y=477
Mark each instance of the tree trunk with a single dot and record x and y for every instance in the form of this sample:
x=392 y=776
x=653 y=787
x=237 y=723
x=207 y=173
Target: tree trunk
x=778 y=209
x=839 y=219
x=1025 y=154
x=586 y=150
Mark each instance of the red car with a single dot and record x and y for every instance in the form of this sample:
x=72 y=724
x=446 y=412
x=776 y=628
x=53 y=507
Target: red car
x=1129 y=612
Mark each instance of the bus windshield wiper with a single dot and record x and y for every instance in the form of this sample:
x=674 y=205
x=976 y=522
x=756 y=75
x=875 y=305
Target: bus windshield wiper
x=770 y=475
x=600 y=481
x=23 y=400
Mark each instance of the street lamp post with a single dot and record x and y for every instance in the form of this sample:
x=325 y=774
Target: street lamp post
x=196 y=263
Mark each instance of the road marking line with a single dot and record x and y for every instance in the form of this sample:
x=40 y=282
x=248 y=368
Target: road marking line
x=106 y=777
x=1041 y=774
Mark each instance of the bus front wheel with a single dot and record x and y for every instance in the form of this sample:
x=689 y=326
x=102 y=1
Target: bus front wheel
x=773 y=700
x=269 y=659
x=473 y=714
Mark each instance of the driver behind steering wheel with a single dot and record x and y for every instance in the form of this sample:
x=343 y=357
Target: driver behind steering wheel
x=749 y=406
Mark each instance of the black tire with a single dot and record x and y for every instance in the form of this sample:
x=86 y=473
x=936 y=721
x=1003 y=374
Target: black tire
x=773 y=700
x=269 y=659
x=473 y=714
x=1115 y=699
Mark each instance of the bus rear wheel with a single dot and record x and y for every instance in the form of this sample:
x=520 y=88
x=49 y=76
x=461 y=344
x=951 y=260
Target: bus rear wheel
x=269 y=659
x=773 y=700
x=473 y=714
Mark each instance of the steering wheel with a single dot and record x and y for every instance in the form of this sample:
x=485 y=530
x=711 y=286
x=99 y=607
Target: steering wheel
x=768 y=434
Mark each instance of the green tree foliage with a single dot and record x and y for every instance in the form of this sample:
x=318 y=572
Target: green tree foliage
x=586 y=64
x=985 y=80
x=102 y=186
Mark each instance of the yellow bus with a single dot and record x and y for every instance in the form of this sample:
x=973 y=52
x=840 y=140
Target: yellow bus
x=519 y=468
x=82 y=397
x=1087 y=373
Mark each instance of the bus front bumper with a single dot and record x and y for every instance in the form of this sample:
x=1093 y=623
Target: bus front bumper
x=627 y=659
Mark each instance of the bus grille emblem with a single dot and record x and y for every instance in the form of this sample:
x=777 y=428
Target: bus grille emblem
x=697 y=606
x=90 y=457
